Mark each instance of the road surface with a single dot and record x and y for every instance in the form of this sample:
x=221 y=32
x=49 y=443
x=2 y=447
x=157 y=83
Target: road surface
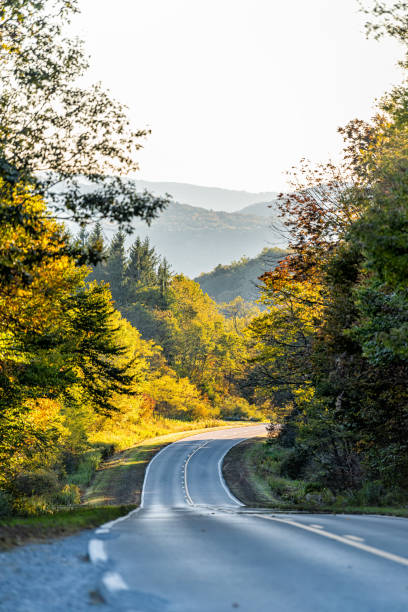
x=192 y=547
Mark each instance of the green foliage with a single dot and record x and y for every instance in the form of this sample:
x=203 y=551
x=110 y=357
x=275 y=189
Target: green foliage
x=69 y=495
x=36 y=483
x=331 y=347
x=295 y=462
x=201 y=343
x=226 y=283
x=86 y=469
x=91 y=135
x=5 y=504
x=36 y=505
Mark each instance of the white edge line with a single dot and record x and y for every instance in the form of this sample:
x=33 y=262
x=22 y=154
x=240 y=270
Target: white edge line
x=370 y=549
x=132 y=512
x=97 y=552
x=114 y=582
x=97 y=545
x=148 y=470
x=224 y=484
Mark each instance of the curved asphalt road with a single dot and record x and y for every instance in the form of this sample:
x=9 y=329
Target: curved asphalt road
x=192 y=547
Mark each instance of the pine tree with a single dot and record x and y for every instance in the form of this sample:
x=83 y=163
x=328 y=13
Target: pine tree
x=164 y=277
x=96 y=242
x=141 y=269
x=116 y=266
x=97 y=356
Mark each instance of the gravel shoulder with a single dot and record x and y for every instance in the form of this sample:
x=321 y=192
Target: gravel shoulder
x=51 y=577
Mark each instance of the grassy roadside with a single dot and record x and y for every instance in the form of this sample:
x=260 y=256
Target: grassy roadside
x=115 y=490
x=254 y=478
x=17 y=531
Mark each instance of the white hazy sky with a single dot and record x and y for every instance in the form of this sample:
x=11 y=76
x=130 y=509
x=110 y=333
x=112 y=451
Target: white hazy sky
x=236 y=91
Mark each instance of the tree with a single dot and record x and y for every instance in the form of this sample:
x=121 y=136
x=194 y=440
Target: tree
x=164 y=278
x=141 y=268
x=91 y=348
x=96 y=242
x=115 y=267
x=74 y=145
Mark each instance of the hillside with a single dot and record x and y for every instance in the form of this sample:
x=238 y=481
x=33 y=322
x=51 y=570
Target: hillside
x=260 y=209
x=239 y=278
x=228 y=200
x=195 y=239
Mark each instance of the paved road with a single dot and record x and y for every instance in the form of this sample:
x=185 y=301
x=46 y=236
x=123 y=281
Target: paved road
x=193 y=548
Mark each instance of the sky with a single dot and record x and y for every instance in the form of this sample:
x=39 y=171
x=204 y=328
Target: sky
x=236 y=92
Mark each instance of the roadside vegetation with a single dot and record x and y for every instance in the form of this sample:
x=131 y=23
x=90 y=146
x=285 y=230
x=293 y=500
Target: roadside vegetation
x=264 y=474
x=15 y=531
x=332 y=342
x=100 y=347
x=111 y=487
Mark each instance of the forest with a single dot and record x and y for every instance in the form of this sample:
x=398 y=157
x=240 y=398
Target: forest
x=103 y=346
x=240 y=278
x=333 y=337
x=100 y=348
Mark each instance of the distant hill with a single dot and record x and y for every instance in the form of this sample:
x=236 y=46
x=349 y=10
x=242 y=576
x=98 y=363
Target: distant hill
x=225 y=283
x=260 y=209
x=211 y=198
x=195 y=240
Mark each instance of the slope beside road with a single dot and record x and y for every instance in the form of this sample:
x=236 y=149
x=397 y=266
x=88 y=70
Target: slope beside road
x=192 y=547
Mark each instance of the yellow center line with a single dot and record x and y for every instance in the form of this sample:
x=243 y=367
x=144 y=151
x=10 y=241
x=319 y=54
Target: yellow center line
x=344 y=540
x=188 y=497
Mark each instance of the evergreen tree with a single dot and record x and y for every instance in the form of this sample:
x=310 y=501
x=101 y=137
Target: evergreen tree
x=116 y=266
x=164 y=278
x=97 y=351
x=141 y=269
x=96 y=243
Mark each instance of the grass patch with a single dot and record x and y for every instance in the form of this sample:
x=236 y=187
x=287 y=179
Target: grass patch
x=15 y=531
x=252 y=470
x=119 y=480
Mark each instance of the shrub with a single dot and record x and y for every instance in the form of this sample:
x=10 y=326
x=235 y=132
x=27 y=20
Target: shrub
x=277 y=487
x=86 y=468
x=5 y=504
x=39 y=482
x=68 y=496
x=32 y=506
x=70 y=460
x=237 y=408
x=313 y=487
x=107 y=450
x=371 y=493
x=295 y=462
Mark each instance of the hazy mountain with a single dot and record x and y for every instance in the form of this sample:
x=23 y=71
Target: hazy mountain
x=211 y=198
x=195 y=240
x=239 y=278
x=260 y=209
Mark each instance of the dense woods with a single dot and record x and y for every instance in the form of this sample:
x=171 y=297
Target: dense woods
x=103 y=345
x=99 y=347
x=333 y=338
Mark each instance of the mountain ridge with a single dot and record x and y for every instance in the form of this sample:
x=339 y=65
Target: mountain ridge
x=239 y=278
x=210 y=198
x=195 y=240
